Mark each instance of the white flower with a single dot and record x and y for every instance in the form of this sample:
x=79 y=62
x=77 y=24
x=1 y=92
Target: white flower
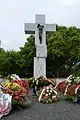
x=13 y=78
x=47 y=90
x=46 y=94
x=45 y=78
x=49 y=93
x=37 y=82
x=77 y=77
x=17 y=77
x=31 y=78
x=33 y=81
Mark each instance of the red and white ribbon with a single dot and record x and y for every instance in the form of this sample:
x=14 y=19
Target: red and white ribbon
x=65 y=93
x=41 y=94
x=45 y=88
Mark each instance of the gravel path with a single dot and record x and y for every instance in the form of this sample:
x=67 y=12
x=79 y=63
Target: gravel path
x=57 y=111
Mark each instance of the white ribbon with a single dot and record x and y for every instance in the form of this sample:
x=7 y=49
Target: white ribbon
x=77 y=89
x=67 y=88
x=41 y=94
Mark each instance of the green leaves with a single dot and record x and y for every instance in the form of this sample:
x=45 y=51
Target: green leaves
x=63 y=48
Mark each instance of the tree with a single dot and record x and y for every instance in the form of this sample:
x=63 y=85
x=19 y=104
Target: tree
x=63 y=49
x=27 y=56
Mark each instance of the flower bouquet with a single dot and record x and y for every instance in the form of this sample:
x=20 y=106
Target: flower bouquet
x=20 y=98
x=14 y=77
x=19 y=94
x=47 y=95
x=21 y=83
x=43 y=81
x=40 y=82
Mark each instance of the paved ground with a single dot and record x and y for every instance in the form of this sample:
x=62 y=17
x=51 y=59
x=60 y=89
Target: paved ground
x=57 y=111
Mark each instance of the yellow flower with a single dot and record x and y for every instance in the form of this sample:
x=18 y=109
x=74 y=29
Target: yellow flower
x=16 y=85
x=7 y=84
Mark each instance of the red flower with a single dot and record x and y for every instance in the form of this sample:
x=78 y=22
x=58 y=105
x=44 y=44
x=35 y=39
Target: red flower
x=22 y=100
x=11 y=82
x=51 y=101
x=45 y=97
x=25 y=91
x=16 y=97
x=22 y=94
x=10 y=91
x=16 y=92
x=9 y=87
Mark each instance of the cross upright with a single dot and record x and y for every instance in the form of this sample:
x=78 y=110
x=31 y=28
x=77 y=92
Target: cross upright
x=39 y=28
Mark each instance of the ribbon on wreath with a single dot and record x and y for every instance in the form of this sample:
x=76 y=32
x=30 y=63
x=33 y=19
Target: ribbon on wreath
x=44 y=90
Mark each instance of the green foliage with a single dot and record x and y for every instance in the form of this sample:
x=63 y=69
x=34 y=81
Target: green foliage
x=63 y=55
x=62 y=51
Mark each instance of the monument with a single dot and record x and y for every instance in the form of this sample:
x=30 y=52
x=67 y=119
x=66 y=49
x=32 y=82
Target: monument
x=39 y=28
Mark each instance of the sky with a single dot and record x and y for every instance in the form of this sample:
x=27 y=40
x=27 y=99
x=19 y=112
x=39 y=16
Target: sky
x=14 y=13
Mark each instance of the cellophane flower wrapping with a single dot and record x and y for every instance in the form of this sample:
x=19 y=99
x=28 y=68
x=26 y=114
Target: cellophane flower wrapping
x=5 y=103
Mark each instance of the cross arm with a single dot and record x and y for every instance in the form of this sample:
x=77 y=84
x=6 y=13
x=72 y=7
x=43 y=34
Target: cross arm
x=29 y=28
x=50 y=27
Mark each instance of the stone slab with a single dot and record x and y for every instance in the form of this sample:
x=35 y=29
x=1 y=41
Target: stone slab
x=39 y=67
x=41 y=51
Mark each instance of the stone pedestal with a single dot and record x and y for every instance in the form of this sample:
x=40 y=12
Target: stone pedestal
x=39 y=67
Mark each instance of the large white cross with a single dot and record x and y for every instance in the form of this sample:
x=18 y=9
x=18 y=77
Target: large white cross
x=40 y=42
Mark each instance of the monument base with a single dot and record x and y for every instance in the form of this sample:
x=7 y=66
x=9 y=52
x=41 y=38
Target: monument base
x=39 y=67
